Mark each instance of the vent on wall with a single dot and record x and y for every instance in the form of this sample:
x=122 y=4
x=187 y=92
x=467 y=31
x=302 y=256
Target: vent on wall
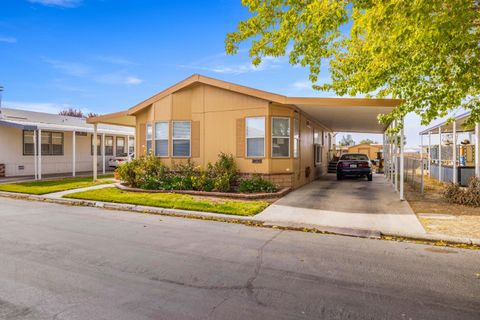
x=21 y=167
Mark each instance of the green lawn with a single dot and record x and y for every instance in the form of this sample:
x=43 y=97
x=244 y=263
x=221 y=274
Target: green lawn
x=172 y=200
x=50 y=186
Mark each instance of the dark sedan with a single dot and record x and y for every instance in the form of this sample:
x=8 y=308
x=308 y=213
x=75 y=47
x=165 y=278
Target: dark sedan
x=354 y=164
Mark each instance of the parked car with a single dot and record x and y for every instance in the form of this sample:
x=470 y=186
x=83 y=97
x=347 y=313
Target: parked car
x=119 y=159
x=354 y=164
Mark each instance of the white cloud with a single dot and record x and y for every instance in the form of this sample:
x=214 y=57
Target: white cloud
x=58 y=3
x=114 y=60
x=133 y=80
x=86 y=72
x=302 y=84
x=118 y=78
x=73 y=69
x=8 y=39
x=220 y=63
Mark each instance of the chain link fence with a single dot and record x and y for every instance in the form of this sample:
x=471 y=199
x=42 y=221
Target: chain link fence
x=414 y=171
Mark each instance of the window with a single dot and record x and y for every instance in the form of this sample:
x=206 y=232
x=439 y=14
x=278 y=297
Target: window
x=280 y=137
x=318 y=154
x=28 y=144
x=318 y=137
x=109 y=146
x=99 y=145
x=149 y=138
x=161 y=139
x=120 y=149
x=57 y=143
x=296 y=137
x=181 y=138
x=51 y=143
x=255 y=136
x=131 y=145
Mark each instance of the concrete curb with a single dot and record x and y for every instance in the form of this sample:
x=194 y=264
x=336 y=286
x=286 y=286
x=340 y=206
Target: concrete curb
x=361 y=233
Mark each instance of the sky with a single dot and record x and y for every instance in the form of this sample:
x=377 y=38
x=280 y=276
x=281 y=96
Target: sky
x=104 y=56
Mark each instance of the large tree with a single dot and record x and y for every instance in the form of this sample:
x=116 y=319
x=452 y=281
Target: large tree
x=425 y=52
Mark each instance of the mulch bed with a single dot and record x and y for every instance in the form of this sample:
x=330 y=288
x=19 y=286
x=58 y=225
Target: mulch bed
x=229 y=195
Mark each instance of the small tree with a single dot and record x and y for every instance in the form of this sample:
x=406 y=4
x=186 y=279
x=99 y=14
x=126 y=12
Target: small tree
x=368 y=141
x=346 y=141
x=72 y=112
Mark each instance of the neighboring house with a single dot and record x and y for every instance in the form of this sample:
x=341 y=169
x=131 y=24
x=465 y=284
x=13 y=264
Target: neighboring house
x=371 y=150
x=66 y=143
x=287 y=140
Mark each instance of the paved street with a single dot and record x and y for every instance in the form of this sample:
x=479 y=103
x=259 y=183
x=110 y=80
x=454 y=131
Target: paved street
x=62 y=262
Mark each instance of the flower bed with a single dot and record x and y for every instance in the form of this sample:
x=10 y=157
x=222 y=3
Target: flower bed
x=220 y=179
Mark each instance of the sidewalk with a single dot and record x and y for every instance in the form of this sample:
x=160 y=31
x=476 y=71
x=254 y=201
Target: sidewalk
x=254 y=221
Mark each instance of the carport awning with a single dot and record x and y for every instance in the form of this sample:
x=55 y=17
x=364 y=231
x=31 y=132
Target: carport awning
x=347 y=115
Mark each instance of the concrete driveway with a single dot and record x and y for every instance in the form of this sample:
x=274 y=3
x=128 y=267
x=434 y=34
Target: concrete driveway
x=350 y=204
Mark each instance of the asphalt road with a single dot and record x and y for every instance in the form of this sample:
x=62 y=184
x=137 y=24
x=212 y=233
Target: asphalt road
x=62 y=262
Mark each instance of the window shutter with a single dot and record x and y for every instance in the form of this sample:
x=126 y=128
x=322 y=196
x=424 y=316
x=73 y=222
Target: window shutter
x=240 y=138
x=142 y=139
x=195 y=139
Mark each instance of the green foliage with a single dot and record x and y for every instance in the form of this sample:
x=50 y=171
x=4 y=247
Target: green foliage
x=172 y=200
x=151 y=174
x=50 y=186
x=368 y=141
x=257 y=184
x=470 y=196
x=425 y=52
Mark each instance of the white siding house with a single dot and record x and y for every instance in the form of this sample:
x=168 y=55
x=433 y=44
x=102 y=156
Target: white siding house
x=66 y=143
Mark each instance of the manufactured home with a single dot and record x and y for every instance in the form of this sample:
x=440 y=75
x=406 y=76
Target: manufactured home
x=287 y=140
x=65 y=144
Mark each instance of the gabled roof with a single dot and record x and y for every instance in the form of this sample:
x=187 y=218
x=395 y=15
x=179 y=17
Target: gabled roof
x=265 y=95
x=32 y=120
x=338 y=114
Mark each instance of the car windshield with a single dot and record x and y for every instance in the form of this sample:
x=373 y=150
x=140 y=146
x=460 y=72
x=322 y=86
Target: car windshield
x=354 y=157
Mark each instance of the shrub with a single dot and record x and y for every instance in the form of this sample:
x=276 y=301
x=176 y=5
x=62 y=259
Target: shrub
x=469 y=196
x=150 y=173
x=144 y=172
x=224 y=172
x=257 y=184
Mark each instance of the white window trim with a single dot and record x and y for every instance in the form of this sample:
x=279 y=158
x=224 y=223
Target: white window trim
x=152 y=151
x=168 y=138
x=282 y=137
x=189 y=139
x=256 y=137
x=320 y=158
x=296 y=156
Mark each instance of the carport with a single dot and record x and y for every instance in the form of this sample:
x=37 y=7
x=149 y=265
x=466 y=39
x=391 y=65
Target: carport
x=352 y=206
x=361 y=116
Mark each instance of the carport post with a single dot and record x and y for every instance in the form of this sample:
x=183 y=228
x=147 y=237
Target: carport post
x=477 y=150
x=454 y=152
x=103 y=153
x=74 y=153
x=402 y=167
x=440 y=154
x=39 y=154
x=395 y=146
x=429 y=151
x=95 y=152
x=383 y=153
x=35 y=168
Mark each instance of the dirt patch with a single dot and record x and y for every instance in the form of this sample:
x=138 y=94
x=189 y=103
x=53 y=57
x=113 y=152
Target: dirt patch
x=465 y=221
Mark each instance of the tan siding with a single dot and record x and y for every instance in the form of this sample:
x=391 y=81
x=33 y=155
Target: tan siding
x=142 y=138
x=195 y=139
x=240 y=145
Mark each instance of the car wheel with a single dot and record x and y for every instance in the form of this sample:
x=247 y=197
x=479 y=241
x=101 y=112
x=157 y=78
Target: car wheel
x=339 y=177
x=370 y=177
